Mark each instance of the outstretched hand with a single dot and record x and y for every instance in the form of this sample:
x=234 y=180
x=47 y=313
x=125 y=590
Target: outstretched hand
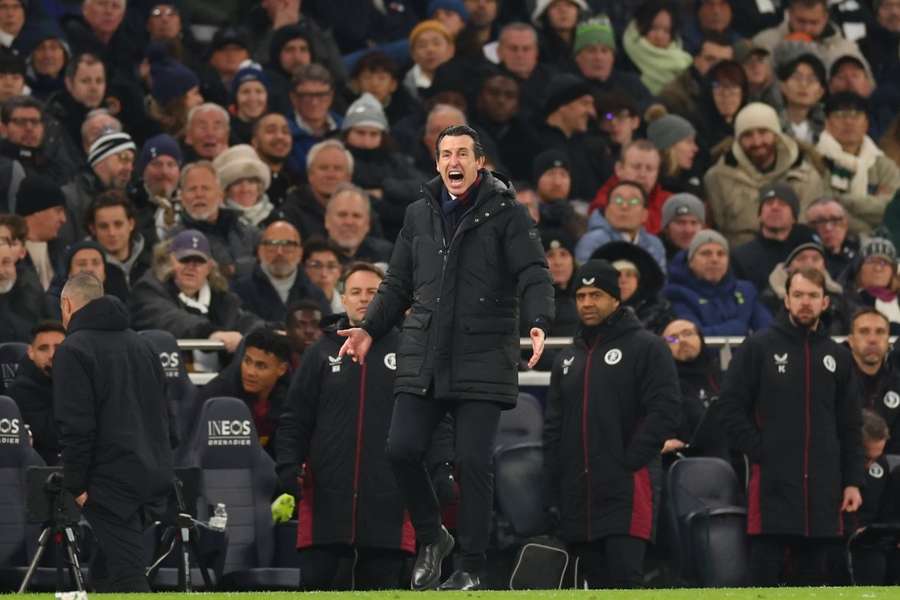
x=537 y=346
x=852 y=499
x=357 y=344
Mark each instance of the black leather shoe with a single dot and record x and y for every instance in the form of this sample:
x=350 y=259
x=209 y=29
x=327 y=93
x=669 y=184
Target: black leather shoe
x=427 y=570
x=462 y=581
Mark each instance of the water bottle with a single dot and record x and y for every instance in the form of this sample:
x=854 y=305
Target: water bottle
x=219 y=520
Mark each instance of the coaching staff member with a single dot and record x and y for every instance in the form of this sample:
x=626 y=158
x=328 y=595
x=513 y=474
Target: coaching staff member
x=465 y=249
x=113 y=425
x=613 y=401
x=790 y=403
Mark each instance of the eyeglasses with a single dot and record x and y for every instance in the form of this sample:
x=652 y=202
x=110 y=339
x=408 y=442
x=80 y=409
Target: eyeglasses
x=847 y=114
x=314 y=95
x=163 y=12
x=680 y=335
x=283 y=244
x=827 y=222
x=878 y=262
x=318 y=266
x=26 y=121
x=620 y=201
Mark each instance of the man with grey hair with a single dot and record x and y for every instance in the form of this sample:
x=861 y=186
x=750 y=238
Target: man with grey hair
x=828 y=218
x=20 y=299
x=312 y=120
x=110 y=407
x=206 y=132
x=348 y=221
x=517 y=49
x=97 y=123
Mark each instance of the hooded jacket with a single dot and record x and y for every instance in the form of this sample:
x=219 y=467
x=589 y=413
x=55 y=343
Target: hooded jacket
x=32 y=389
x=789 y=403
x=700 y=381
x=115 y=284
x=755 y=260
x=111 y=411
x=600 y=233
x=336 y=421
x=613 y=400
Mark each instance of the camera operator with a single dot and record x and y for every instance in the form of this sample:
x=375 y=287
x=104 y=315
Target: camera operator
x=110 y=408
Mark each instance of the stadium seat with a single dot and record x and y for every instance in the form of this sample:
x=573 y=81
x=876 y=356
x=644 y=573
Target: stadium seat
x=893 y=461
x=518 y=492
x=523 y=424
x=181 y=392
x=11 y=354
x=709 y=517
x=238 y=473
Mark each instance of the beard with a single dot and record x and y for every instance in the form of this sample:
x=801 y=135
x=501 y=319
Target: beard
x=6 y=286
x=806 y=319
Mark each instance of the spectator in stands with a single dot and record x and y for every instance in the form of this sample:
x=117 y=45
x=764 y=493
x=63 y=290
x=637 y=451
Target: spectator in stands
x=676 y=140
x=206 y=133
x=877 y=377
x=111 y=223
x=186 y=295
x=229 y=48
x=42 y=204
x=175 y=90
x=439 y=118
x=699 y=432
x=881 y=46
x=289 y=49
x=567 y=114
x=557 y=21
x=14 y=231
x=809 y=255
x=157 y=169
x=97 y=123
x=259 y=378
x=704 y=291
x=638 y=161
x=32 y=389
x=330 y=404
x=608 y=531
x=376 y=73
x=803 y=85
x=870 y=280
x=111 y=161
x=328 y=165
x=622 y=219
x=11 y=24
x=201 y=199
x=348 y=218
x=778 y=235
x=47 y=59
x=528 y=197
x=244 y=179
x=797 y=489
x=453 y=15
x=683 y=215
x=554 y=184
x=311 y=119
x=619 y=119
x=859 y=175
x=807 y=18
x=101 y=32
x=760 y=154
x=559 y=249
x=85 y=89
x=20 y=302
x=272 y=142
x=848 y=71
x=12 y=76
x=712 y=16
x=430 y=46
x=387 y=176
x=757 y=64
x=277 y=281
x=517 y=50
x=322 y=263
x=828 y=218
x=85 y=256
x=684 y=95
x=641 y=281
x=595 y=56
x=726 y=92
x=26 y=139
x=166 y=24
x=302 y=328
x=249 y=101
x=652 y=42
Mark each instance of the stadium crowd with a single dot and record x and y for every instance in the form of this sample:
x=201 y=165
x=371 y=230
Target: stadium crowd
x=233 y=169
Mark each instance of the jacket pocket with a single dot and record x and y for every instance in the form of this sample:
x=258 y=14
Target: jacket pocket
x=413 y=340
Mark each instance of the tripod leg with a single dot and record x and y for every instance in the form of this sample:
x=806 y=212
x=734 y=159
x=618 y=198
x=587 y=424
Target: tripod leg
x=204 y=570
x=74 y=564
x=42 y=545
x=184 y=543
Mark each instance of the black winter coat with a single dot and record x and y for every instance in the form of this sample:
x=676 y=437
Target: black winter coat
x=881 y=393
x=790 y=403
x=879 y=498
x=612 y=403
x=111 y=410
x=229 y=239
x=463 y=328
x=337 y=421
x=32 y=390
x=20 y=309
x=259 y=297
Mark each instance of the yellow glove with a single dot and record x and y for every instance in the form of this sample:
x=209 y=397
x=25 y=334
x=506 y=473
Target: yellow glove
x=283 y=508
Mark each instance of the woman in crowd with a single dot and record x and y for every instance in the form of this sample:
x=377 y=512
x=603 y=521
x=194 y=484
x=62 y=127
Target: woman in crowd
x=651 y=42
x=250 y=101
x=245 y=179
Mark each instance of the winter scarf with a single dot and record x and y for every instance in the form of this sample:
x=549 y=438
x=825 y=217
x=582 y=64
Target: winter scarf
x=658 y=66
x=849 y=173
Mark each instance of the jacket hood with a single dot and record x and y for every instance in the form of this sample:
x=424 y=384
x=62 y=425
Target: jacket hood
x=616 y=325
x=779 y=276
x=137 y=247
x=651 y=278
x=787 y=152
x=282 y=36
x=103 y=314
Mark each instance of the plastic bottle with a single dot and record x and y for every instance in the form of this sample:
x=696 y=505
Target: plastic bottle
x=219 y=519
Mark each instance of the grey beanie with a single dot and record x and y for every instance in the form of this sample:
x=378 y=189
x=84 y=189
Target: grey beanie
x=667 y=131
x=706 y=236
x=366 y=111
x=678 y=205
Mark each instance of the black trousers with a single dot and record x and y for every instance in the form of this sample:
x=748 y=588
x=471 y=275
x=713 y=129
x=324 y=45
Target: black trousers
x=339 y=567
x=797 y=560
x=413 y=423
x=120 y=558
x=616 y=561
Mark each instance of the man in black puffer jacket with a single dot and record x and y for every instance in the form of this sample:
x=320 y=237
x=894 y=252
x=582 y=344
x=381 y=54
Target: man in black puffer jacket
x=790 y=403
x=613 y=397
x=466 y=249
x=110 y=406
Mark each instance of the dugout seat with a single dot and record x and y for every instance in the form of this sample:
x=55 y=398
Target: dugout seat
x=523 y=424
x=239 y=473
x=709 y=520
x=518 y=493
x=11 y=354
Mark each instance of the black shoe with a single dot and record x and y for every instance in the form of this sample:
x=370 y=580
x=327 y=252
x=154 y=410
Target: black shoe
x=462 y=581
x=427 y=570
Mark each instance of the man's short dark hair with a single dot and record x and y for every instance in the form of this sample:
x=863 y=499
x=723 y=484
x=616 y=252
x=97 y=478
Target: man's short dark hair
x=458 y=130
x=629 y=183
x=874 y=427
x=45 y=326
x=17 y=102
x=811 y=275
x=317 y=244
x=375 y=62
x=300 y=305
x=84 y=58
x=356 y=267
x=311 y=72
x=109 y=199
x=256 y=123
x=717 y=38
x=868 y=310
x=16 y=225
x=269 y=340
x=807 y=4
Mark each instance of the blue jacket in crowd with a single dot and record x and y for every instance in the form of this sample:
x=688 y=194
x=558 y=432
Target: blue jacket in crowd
x=600 y=232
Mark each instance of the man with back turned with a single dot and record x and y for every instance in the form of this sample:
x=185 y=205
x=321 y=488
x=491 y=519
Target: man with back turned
x=465 y=250
x=110 y=408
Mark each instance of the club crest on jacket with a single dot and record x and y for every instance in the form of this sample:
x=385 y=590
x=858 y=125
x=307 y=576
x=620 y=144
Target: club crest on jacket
x=335 y=363
x=781 y=361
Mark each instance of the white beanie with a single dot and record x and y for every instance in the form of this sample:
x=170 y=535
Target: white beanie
x=241 y=162
x=756 y=115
